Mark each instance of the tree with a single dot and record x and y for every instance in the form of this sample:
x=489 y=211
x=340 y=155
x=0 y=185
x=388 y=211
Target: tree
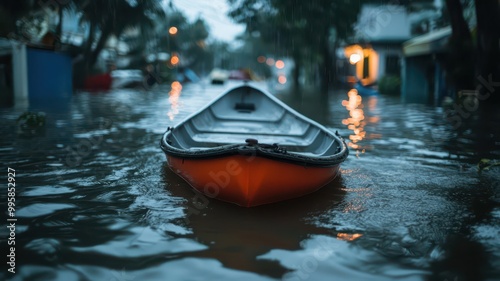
x=189 y=39
x=10 y=13
x=488 y=49
x=113 y=17
x=300 y=29
x=460 y=63
x=479 y=59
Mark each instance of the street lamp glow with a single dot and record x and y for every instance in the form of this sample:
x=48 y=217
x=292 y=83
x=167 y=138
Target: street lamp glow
x=174 y=60
x=354 y=58
x=172 y=30
x=280 y=64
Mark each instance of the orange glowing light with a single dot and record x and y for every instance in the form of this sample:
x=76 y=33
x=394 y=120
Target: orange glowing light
x=280 y=64
x=174 y=60
x=282 y=79
x=348 y=236
x=270 y=61
x=261 y=59
x=172 y=30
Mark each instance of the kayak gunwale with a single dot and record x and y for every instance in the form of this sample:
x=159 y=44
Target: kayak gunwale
x=259 y=149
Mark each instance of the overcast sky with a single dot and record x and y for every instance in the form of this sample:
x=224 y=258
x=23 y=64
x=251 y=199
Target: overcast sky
x=214 y=12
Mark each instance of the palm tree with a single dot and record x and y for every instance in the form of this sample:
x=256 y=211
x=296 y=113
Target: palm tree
x=10 y=12
x=112 y=17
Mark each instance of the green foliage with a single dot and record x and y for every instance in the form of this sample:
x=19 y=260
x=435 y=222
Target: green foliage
x=486 y=164
x=390 y=85
x=10 y=12
x=302 y=30
x=31 y=120
x=189 y=42
x=114 y=17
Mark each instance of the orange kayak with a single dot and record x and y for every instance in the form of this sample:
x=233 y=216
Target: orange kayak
x=248 y=148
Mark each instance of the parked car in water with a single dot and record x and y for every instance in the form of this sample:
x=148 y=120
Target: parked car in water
x=240 y=74
x=218 y=76
x=127 y=78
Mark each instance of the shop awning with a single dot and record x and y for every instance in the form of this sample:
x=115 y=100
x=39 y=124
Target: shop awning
x=430 y=43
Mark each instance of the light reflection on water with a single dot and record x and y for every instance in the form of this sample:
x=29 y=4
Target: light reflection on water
x=173 y=98
x=411 y=208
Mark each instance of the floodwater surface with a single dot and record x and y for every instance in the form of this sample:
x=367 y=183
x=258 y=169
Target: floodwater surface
x=95 y=199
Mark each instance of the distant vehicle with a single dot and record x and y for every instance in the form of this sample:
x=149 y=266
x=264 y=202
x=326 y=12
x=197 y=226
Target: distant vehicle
x=218 y=76
x=98 y=82
x=240 y=74
x=127 y=78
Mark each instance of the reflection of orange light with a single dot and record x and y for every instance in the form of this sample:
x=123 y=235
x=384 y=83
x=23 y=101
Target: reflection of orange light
x=172 y=30
x=282 y=79
x=174 y=60
x=357 y=114
x=261 y=59
x=372 y=103
x=280 y=64
x=176 y=85
x=348 y=236
x=270 y=61
x=351 y=79
x=173 y=98
x=355 y=121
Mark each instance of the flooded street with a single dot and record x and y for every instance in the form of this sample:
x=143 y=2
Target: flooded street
x=95 y=199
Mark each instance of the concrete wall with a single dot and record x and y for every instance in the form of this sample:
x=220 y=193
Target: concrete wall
x=383 y=22
x=20 y=73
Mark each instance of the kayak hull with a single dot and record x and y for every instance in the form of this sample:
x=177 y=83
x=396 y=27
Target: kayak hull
x=251 y=180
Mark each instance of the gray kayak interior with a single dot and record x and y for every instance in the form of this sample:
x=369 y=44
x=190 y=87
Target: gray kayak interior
x=246 y=112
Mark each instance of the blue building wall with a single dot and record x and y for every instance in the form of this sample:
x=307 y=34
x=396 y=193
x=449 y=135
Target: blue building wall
x=49 y=76
x=415 y=87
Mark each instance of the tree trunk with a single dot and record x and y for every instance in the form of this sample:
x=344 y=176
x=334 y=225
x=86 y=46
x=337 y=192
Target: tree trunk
x=488 y=50
x=326 y=67
x=88 y=48
x=60 y=23
x=460 y=64
x=297 y=58
x=335 y=74
x=460 y=29
x=488 y=75
x=103 y=38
